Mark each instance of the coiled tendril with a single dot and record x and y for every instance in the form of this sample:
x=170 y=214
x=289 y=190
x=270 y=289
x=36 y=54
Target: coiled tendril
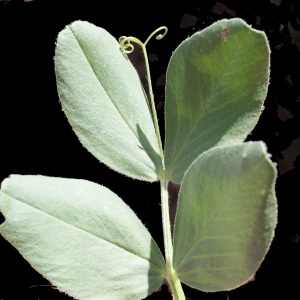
x=127 y=48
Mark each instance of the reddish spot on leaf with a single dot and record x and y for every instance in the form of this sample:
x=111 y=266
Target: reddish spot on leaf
x=224 y=33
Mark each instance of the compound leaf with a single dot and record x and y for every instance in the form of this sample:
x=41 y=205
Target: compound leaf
x=216 y=84
x=226 y=217
x=80 y=236
x=103 y=99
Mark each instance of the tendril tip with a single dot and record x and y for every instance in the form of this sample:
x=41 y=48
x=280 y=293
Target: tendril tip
x=127 y=47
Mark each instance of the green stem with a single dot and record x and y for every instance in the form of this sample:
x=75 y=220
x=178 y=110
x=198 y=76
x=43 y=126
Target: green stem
x=127 y=47
x=152 y=102
x=171 y=274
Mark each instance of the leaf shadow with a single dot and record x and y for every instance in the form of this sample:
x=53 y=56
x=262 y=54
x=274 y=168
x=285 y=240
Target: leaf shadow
x=154 y=282
x=147 y=147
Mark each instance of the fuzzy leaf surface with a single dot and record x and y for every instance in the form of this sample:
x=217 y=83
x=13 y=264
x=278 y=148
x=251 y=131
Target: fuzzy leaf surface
x=103 y=99
x=216 y=84
x=226 y=217
x=80 y=236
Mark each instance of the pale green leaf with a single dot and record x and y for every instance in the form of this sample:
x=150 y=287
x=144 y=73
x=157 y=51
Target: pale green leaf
x=226 y=217
x=80 y=236
x=216 y=84
x=104 y=101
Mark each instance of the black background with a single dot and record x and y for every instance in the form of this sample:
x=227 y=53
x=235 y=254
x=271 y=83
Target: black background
x=36 y=138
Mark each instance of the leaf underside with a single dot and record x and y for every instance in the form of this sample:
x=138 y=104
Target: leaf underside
x=103 y=99
x=81 y=237
x=226 y=217
x=216 y=84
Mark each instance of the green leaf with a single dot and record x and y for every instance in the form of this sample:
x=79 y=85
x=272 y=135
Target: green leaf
x=226 y=217
x=216 y=84
x=81 y=236
x=103 y=99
